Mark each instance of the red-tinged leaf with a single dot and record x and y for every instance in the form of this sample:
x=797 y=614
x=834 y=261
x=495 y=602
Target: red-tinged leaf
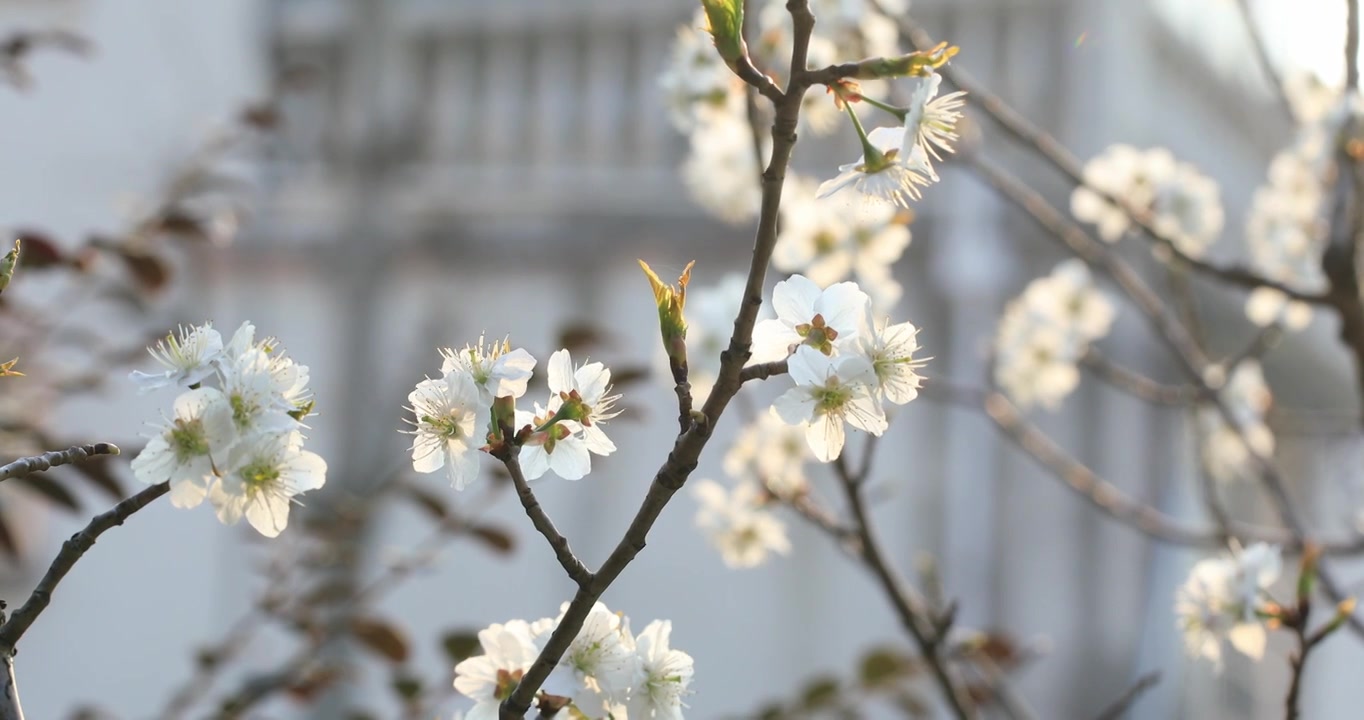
x=381 y=637
x=460 y=645
x=497 y=539
x=7 y=542
x=182 y=225
x=40 y=250
x=630 y=374
x=102 y=476
x=580 y=337
x=150 y=271
x=313 y=684
x=50 y=489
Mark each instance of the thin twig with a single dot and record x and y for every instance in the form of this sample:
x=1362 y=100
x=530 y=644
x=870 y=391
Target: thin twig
x=763 y=371
x=912 y=611
x=1129 y=698
x=1063 y=160
x=72 y=551
x=48 y=460
x=575 y=568
x=1136 y=384
x=1257 y=41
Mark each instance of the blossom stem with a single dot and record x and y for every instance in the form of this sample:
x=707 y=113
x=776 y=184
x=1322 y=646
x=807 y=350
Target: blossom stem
x=72 y=551
x=577 y=571
x=899 y=112
x=871 y=155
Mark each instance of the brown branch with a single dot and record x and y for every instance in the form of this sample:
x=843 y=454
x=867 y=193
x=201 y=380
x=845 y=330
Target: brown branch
x=762 y=371
x=1257 y=41
x=1136 y=384
x=48 y=460
x=689 y=444
x=72 y=551
x=1119 y=708
x=928 y=633
x=1351 y=46
x=575 y=568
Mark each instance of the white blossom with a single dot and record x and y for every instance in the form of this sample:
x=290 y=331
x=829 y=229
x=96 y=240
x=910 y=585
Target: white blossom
x=560 y=449
x=182 y=452
x=665 y=675
x=808 y=316
x=1227 y=453
x=770 y=453
x=600 y=661
x=1221 y=598
x=490 y=678
x=721 y=171
x=931 y=122
x=890 y=349
x=262 y=476
x=497 y=370
x=828 y=393
x=896 y=177
x=826 y=241
x=188 y=357
x=587 y=389
x=254 y=386
x=737 y=525
x=449 y=413
x=1045 y=331
x=695 y=80
x=1184 y=204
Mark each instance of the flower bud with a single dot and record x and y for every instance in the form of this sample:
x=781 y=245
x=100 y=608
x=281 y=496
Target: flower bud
x=672 y=322
x=725 y=23
x=916 y=64
x=7 y=265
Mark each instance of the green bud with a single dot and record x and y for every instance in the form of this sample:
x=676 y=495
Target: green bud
x=672 y=320
x=725 y=23
x=7 y=265
x=917 y=64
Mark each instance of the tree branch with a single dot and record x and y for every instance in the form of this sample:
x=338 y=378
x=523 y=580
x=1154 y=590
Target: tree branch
x=689 y=444
x=1351 y=45
x=762 y=371
x=1257 y=41
x=928 y=633
x=48 y=460
x=577 y=572
x=72 y=551
x=1063 y=160
x=1119 y=708
x=1136 y=384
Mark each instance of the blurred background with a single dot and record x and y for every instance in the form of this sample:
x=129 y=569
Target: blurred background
x=451 y=167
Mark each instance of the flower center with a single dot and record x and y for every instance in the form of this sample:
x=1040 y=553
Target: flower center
x=187 y=438
x=825 y=242
x=506 y=682
x=242 y=409
x=446 y=426
x=818 y=335
x=831 y=398
x=258 y=476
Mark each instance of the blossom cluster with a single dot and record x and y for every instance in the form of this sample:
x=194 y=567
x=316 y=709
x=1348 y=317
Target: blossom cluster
x=1183 y=204
x=1044 y=333
x=239 y=444
x=828 y=242
x=1227 y=449
x=475 y=396
x=1286 y=227
x=1223 y=600
x=844 y=361
x=607 y=672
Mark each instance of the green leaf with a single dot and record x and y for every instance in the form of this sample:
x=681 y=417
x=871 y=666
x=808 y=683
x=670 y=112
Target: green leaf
x=460 y=645
x=725 y=19
x=820 y=693
x=882 y=666
x=407 y=687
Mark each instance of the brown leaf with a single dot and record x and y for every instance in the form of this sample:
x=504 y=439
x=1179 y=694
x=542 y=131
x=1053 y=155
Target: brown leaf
x=150 y=271
x=50 y=489
x=381 y=637
x=40 y=250
x=497 y=539
x=7 y=543
x=433 y=504
x=579 y=337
